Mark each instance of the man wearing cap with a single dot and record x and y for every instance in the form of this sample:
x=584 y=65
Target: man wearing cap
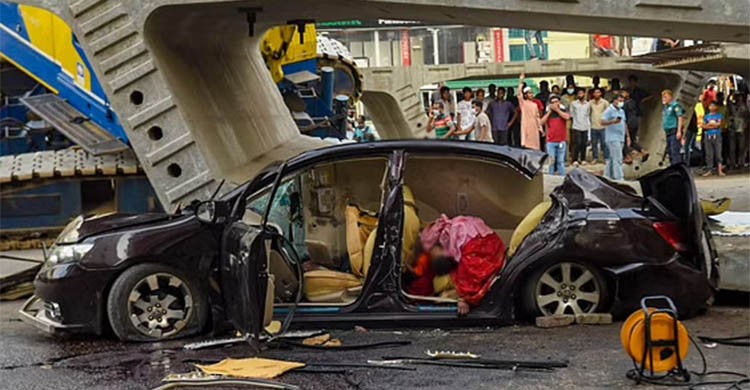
x=531 y=127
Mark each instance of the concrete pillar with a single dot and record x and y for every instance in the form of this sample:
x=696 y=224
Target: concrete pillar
x=376 y=39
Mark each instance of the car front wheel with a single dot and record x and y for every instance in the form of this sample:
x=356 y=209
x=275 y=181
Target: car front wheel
x=565 y=288
x=151 y=302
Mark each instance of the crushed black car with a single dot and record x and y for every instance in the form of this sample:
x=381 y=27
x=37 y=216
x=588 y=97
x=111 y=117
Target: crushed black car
x=295 y=238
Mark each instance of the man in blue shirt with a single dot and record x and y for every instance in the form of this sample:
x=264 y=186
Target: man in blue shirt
x=712 y=124
x=673 y=120
x=615 y=133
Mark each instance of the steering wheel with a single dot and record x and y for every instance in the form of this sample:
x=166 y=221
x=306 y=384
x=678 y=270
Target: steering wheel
x=660 y=207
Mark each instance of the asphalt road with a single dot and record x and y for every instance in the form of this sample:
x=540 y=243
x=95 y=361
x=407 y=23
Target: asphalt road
x=30 y=359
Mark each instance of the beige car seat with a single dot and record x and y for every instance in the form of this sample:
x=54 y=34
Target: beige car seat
x=527 y=225
x=329 y=286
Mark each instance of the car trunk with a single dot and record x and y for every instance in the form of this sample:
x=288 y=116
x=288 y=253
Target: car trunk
x=674 y=188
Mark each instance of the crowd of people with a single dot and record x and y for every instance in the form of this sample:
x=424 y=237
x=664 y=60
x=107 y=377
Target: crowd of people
x=566 y=123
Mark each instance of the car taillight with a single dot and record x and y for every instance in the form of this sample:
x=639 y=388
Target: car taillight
x=673 y=234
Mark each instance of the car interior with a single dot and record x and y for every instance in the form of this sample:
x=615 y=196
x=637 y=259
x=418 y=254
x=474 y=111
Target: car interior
x=317 y=210
x=468 y=186
x=328 y=214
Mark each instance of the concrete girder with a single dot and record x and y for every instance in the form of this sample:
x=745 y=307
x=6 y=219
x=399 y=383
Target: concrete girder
x=187 y=66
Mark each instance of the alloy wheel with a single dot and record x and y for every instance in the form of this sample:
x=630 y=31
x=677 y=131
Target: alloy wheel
x=160 y=305
x=568 y=288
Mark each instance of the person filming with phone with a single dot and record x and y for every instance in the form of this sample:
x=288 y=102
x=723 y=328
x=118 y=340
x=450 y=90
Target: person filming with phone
x=615 y=134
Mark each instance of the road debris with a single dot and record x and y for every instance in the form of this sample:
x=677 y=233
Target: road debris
x=451 y=355
x=257 y=368
x=594 y=319
x=202 y=380
x=555 y=321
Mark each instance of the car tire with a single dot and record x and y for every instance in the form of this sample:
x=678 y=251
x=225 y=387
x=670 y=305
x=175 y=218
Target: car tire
x=153 y=302
x=547 y=291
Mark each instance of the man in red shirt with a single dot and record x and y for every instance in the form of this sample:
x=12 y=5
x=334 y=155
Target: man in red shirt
x=556 y=121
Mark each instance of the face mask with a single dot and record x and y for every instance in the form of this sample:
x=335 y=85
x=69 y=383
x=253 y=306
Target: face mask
x=570 y=91
x=620 y=104
x=435 y=112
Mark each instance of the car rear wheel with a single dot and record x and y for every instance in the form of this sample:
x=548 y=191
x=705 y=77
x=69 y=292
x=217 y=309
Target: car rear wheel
x=151 y=302
x=565 y=288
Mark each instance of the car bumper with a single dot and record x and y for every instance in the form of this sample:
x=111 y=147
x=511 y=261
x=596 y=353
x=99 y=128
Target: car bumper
x=69 y=299
x=36 y=312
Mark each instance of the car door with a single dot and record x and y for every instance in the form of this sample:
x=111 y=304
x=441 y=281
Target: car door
x=247 y=287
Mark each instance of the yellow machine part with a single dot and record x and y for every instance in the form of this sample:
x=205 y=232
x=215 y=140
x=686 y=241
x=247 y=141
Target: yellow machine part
x=633 y=339
x=281 y=46
x=50 y=34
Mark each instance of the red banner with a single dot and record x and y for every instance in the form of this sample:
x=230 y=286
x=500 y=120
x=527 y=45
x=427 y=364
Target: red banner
x=499 y=44
x=405 y=48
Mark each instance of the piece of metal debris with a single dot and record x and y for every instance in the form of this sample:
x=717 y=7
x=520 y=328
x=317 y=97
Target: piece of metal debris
x=451 y=355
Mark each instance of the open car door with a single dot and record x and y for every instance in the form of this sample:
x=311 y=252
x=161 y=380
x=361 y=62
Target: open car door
x=246 y=284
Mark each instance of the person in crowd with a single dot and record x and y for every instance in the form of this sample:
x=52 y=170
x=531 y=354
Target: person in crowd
x=502 y=115
x=739 y=117
x=351 y=122
x=638 y=94
x=598 y=106
x=446 y=97
x=528 y=35
x=710 y=93
x=482 y=125
x=544 y=92
x=625 y=45
x=615 y=134
x=569 y=96
x=556 y=119
x=491 y=90
x=465 y=115
x=724 y=125
x=665 y=44
x=603 y=45
x=465 y=249
x=435 y=95
x=700 y=110
x=556 y=90
x=531 y=127
x=673 y=118
x=614 y=89
x=515 y=125
x=595 y=83
x=580 y=112
x=713 y=122
x=362 y=132
x=482 y=98
x=441 y=122
x=632 y=115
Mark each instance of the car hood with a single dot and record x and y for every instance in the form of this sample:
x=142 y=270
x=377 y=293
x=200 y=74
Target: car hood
x=83 y=227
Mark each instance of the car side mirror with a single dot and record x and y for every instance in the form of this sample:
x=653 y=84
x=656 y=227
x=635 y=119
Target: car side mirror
x=206 y=211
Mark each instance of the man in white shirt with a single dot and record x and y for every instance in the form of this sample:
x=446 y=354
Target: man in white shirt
x=466 y=115
x=580 y=112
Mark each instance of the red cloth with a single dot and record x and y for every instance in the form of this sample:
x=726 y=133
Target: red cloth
x=481 y=259
x=422 y=285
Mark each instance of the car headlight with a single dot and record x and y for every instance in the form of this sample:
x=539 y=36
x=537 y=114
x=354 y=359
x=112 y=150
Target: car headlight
x=69 y=235
x=67 y=253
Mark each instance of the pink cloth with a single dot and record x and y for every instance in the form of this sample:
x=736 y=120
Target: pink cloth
x=453 y=234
